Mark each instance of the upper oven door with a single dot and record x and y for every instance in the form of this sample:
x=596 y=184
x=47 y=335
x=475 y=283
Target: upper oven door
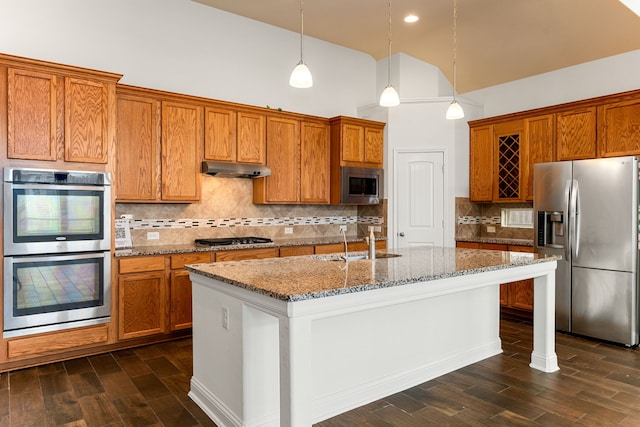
x=45 y=218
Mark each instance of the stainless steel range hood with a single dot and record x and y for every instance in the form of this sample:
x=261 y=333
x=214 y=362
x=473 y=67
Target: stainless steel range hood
x=235 y=170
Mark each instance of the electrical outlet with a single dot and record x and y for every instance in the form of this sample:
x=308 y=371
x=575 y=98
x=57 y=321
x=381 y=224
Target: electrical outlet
x=491 y=229
x=375 y=228
x=126 y=216
x=225 y=317
x=343 y=228
x=288 y=230
x=153 y=235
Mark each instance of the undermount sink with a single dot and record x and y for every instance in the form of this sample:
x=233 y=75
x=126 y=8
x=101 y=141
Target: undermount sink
x=360 y=257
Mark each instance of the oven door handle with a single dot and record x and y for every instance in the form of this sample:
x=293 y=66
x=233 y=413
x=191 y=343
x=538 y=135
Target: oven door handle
x=56 y=187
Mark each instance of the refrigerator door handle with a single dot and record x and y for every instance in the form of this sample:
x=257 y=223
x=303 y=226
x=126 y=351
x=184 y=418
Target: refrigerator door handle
x=575 y=219
x=566 y=221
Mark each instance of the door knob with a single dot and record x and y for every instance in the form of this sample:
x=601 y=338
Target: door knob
x=401 y=234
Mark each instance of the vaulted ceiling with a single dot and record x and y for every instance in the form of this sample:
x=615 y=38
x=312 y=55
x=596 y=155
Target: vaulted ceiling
x=497 y=40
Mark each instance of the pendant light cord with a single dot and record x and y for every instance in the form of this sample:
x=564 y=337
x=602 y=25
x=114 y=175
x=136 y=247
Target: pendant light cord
x=389 y=57
x=455 y=45
x=301 y=28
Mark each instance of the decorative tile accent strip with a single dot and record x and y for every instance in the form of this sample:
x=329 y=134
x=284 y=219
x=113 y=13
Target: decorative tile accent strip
x=479 y=220
x=143 y=224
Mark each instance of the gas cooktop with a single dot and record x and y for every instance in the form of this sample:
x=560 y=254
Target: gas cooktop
x=232 y=241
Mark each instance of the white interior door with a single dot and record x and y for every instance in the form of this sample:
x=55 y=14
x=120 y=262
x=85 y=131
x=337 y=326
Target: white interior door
x=419 y=202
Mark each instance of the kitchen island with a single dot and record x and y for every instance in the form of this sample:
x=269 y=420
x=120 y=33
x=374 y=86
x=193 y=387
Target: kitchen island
x=298 y=340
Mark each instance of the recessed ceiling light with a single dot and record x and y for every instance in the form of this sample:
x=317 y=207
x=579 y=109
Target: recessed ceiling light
x=634 y=5
x=411 y=18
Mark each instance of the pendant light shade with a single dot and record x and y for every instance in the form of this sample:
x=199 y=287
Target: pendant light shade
x=455 y=110
x=389 y=96
x=301 y=76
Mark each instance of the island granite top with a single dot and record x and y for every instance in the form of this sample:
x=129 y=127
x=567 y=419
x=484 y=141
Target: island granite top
x=316 y=276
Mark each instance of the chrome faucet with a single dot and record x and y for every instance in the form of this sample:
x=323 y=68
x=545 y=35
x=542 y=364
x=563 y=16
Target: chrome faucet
x=371 y=241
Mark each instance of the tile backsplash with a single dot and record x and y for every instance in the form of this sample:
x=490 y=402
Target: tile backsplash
x=472 y=220
x=226 y=209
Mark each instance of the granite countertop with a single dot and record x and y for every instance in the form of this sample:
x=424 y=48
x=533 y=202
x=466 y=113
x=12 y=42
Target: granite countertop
x=277 y=243
x=497 y=240
x=315 y=276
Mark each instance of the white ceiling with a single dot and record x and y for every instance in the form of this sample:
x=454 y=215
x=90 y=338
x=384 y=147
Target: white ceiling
x=498 y=40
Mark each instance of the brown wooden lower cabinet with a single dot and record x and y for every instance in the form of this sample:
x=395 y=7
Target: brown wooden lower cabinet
x=180 y=288
x=141 y=304
x=244 y=254
x=515 y=297
x=297 y=250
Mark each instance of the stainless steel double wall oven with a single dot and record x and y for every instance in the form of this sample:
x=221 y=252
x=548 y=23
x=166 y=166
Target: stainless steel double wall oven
x=57 y=242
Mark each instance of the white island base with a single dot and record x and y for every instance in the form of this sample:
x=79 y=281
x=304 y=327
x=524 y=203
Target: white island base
x=261 y=361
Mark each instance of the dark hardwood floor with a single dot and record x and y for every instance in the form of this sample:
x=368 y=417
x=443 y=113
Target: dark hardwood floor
x=598 y=385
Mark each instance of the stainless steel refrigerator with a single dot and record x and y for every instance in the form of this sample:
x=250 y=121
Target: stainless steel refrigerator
x=587 y=212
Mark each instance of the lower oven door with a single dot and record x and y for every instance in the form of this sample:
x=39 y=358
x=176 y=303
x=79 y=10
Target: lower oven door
x=50 y=292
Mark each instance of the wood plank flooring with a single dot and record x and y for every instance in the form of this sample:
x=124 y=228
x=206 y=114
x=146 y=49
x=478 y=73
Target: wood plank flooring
x=598 y=385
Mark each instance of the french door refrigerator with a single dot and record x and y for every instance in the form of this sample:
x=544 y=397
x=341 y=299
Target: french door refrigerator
x=587 y=212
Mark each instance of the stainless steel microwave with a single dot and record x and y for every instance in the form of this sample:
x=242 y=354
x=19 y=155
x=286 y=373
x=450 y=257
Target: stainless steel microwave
x=361 y=186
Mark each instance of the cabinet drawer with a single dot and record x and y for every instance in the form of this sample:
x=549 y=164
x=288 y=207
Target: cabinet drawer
x=330 y=249
x=57 y=342
x=179 y=261
x=296 y=250
x=143 y=263
x=243 y=254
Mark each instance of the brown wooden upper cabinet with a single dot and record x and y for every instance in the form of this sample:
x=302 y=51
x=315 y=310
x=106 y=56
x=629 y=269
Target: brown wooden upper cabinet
x=357 y=142
x=33 y=105
x=298 y=156
x=159 y=147
x=58 y=113
x=539 y=132
x=234 y=136
x=576 y=134
x=619 y=128
x=503 y=154
x=86 y=136
x=314 y=162
x=481 y=163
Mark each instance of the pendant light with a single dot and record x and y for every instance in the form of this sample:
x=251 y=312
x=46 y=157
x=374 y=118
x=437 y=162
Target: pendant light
x=455 y=110
x=301 y=76
x=389 y=96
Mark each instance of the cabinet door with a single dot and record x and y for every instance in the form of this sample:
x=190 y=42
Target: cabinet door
x=576 y=134
x=540 y=136
x=141 y=304
x=181 y=151
x=86 y=121
x=180 y=300
x=283 y=157
x=251 y=137
x=138 y=144
x=352 y=143
x=509 y=150
x=373 y=146
x=32 y=115
x=619 y=129
x=481 y=164
x=521 y=291
x=220 y=134
x=314 y=163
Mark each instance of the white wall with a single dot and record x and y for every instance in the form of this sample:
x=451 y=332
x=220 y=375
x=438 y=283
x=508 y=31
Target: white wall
x=186 y=47
x=606 y=76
